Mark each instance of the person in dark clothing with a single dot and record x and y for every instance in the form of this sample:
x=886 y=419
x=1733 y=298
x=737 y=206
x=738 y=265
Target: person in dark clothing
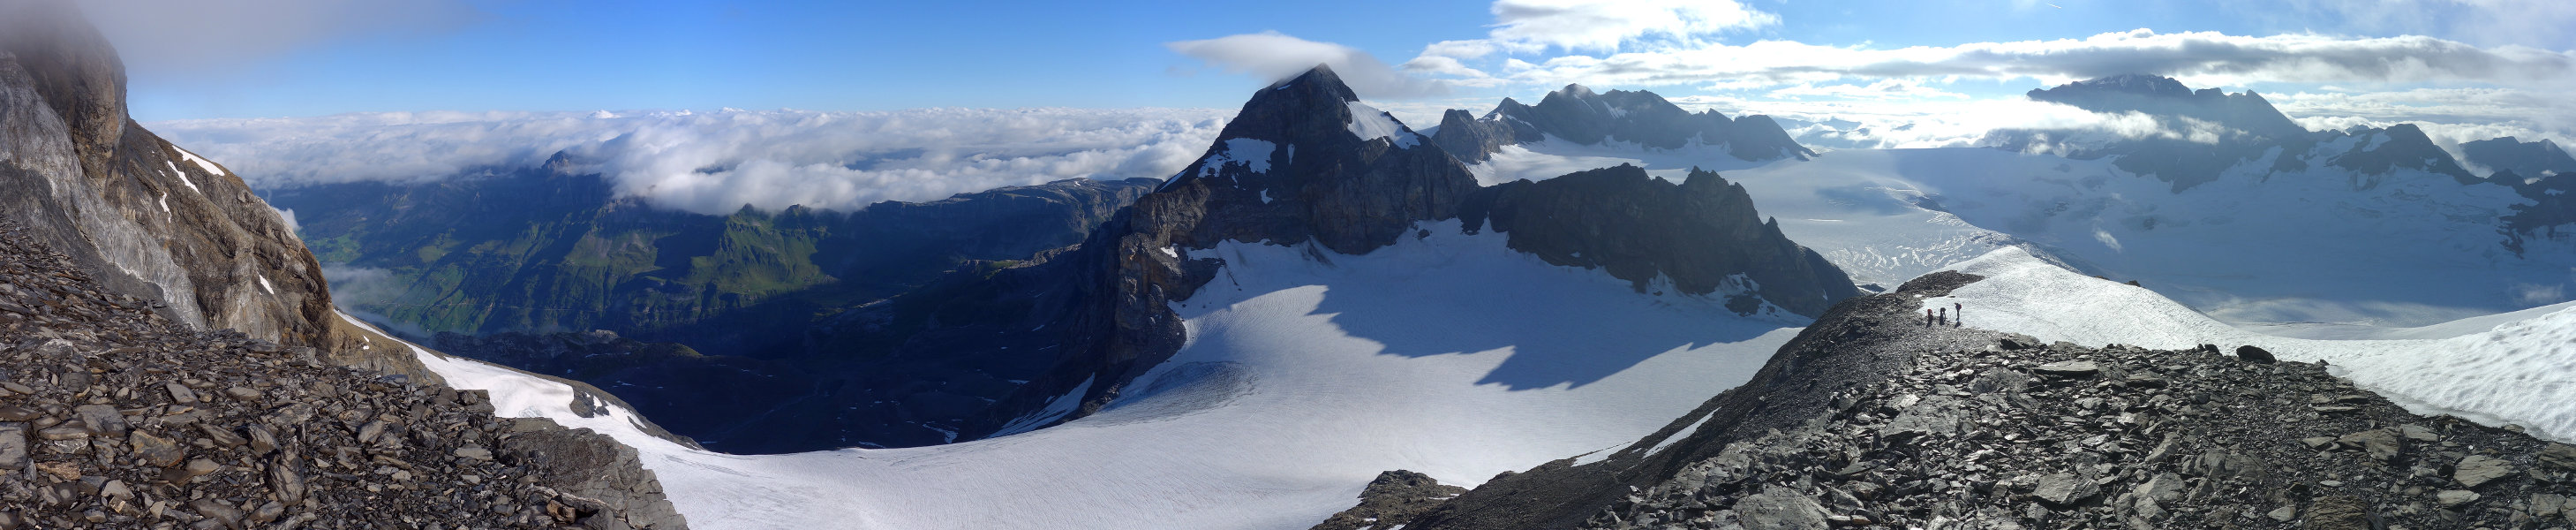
x=1927 y=318
x=1960 y=311
x=1941 y=316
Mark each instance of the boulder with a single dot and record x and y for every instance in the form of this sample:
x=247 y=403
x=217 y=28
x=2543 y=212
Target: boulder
x=2251 y=354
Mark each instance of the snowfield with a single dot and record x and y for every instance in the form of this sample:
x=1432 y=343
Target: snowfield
x=2520 y=372
x=1307 y=372
x=1303 y=378
x=2285 y=251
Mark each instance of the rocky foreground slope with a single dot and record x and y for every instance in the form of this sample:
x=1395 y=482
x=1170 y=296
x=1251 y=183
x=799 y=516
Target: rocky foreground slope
x=114 y=416
x=1870 y=418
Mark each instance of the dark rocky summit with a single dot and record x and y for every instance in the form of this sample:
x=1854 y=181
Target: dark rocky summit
x=2539 y=171
x=1578 y=115
x=1870 y=419
x=114 y=416
x=2512 y=156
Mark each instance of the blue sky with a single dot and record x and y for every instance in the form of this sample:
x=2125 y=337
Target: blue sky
x=583 y=55
x=296 y=92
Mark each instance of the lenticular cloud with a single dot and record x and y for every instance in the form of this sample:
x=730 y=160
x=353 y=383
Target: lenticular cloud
x=716 y=162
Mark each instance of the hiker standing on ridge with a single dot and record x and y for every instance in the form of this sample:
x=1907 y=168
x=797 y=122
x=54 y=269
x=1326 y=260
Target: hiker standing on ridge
x=1927 y=318
x=1944 y=318
x=1960 y=311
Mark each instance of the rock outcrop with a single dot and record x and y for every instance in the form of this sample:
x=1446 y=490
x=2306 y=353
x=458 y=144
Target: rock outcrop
x=147 y=218
x=1391 y=501
x=2539 y=171
x=113 y=415
x=1871 y=419
x=1577 y=114
x=2529 y=160
x=1702 y=235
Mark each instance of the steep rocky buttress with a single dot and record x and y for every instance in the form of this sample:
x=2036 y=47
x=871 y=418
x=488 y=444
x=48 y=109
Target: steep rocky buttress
x=148 y=218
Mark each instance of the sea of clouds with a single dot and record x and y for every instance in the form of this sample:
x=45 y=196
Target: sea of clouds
x=716 y=162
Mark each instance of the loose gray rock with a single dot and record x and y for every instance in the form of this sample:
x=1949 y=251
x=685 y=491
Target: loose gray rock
x=2479 y=469
x=2065 y=488
x=1780 y=509
x=2068 y=369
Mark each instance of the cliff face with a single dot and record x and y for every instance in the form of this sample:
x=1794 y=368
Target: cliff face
x=150 y=219
x=1703 y=236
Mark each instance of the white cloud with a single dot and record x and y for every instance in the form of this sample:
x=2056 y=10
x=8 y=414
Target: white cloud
x=216 y=35
x=2448 y=115
x=1606 y=24
x=2203 y=58
x=2535 y=23
x=1881 y=89
x=717 y=162
x=1888 y=124
x=1272 y=56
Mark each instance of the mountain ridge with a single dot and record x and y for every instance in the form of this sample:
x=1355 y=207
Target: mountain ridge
x=1577 y=114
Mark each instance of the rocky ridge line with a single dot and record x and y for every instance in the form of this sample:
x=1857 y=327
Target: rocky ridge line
x=2060 y=436
x=114 y=415
x=1869 y=418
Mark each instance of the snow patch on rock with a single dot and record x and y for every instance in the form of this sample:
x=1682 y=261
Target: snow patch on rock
x=1368 y=123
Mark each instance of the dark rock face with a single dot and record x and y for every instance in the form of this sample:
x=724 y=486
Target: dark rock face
x=144 y=217
x=1470 y=139
x=2548 y=217
x=2525 y=159
x=112 y=415
x=2539 y=171
x=1391 y=501
x=1349 y=194
x=2406 y=146
x=1868 y=420
x=1703 y=234
x=2208 y=132
x=1578 y=115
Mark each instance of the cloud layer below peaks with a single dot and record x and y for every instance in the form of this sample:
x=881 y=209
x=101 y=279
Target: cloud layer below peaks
x=716 y=162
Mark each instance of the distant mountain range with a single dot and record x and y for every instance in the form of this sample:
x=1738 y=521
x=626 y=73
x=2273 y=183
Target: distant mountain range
x=2207 y=133
x=1576 y=114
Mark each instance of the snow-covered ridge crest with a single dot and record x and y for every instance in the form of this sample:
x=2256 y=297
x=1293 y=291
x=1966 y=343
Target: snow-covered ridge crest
x=1368 y=123
x=2513 y=373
